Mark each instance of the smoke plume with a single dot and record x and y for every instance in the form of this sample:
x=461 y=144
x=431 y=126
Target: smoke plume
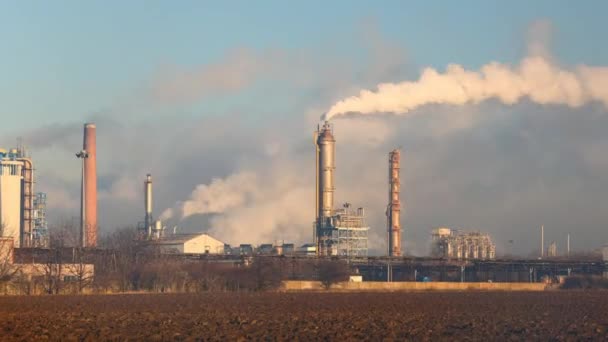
x=535 y=78
x=219 y=196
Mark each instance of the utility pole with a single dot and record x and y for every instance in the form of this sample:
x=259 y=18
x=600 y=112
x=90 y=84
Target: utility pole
x=542 y=241
x=83 y=154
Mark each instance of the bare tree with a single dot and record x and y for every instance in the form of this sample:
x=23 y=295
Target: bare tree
x=331 y=272
x=8 y=270
x=65 y=234
x=80 y=270
x=51 y=271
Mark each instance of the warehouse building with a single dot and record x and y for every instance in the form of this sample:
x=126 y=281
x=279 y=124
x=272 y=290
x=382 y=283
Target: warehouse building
x=200 y=243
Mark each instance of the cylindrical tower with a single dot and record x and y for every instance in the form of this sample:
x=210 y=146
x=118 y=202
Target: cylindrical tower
x=90 y=185
x=326 y=149
x=148 y=202
x=394 y=207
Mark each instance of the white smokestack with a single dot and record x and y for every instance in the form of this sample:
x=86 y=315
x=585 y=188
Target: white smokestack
x=535 y=78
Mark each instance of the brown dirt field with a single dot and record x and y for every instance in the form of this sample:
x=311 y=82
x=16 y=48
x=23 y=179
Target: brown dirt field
x=308 y=316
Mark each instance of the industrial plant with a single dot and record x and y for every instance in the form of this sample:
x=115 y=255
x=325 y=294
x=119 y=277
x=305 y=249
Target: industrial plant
x=340 y=232
x=457 y=244
x=22 y=211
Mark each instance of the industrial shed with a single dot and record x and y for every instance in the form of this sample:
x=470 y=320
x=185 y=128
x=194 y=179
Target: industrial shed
x=191 y=244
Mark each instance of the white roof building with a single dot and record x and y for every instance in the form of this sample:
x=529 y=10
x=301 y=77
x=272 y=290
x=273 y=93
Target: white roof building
x=200 y=243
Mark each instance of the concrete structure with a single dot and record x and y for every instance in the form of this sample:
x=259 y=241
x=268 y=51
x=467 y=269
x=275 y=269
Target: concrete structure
x=10 y=199
x=191 y=244
x=336 y=231
x=450 y=243
x=393 y=210
x=89 y=191
x=305 y=285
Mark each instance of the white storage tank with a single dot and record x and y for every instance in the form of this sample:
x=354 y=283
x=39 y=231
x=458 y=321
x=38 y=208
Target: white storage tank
x=10 y=200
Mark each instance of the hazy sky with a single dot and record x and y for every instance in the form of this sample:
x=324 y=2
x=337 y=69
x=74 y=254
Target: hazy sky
x=194 y=91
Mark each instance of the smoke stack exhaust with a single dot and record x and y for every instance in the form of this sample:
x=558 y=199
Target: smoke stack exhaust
x=148 y=203
x=393 y=211
x=90 y=186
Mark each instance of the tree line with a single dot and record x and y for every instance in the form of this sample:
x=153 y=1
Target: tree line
x=124 y=264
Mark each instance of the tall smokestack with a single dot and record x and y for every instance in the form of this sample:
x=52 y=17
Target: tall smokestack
x=325 y=179
x=568 y=245
x=394 y=207
x=542 y=241
x=148 y=203
x=90 y=186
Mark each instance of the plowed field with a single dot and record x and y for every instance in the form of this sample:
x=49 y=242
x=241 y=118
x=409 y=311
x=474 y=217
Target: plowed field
x=308 y=316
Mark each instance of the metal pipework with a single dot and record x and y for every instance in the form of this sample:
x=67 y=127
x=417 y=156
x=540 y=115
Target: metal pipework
x=90 y=185
x=27 y=201
x=148 y=203
x=393 y=211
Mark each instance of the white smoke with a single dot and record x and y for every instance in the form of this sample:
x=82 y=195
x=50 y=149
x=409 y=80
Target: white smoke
x=535 y=78
x=219 y=196
x=251 y=207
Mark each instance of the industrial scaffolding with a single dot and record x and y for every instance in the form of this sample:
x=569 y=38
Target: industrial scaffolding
x=344 y=233
x=451 y=243
x=40 y=236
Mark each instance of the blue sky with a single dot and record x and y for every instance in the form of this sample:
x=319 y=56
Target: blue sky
x=63 y=60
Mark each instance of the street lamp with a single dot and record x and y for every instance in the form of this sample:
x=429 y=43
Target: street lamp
x=83 y=154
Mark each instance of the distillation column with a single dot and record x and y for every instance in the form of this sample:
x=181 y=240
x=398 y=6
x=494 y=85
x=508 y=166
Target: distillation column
x=90 y=186
x=325 y=150
x=148 y=205
x=394 y=207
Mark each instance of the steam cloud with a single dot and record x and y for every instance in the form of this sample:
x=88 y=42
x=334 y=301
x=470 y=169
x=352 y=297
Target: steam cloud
x=249 y=208
x=219 y=196
x=535 y=78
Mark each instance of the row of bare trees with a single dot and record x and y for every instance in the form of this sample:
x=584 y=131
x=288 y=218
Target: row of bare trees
x=123 y=264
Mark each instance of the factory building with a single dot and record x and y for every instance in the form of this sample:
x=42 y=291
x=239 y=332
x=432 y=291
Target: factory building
x=451 y=243
x=190 y=244
x=341 y=232
x=16 y=196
